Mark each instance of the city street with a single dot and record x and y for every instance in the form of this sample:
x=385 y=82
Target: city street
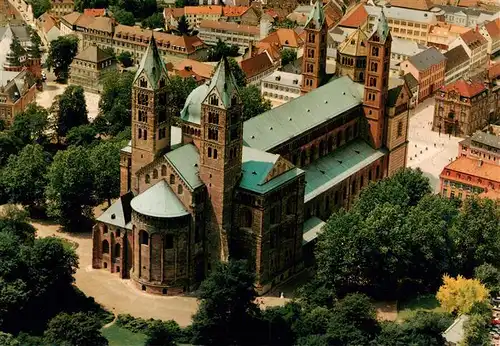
x=428 y=150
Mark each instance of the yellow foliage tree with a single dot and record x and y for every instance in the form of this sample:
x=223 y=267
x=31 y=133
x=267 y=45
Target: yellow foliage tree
x=459 y=294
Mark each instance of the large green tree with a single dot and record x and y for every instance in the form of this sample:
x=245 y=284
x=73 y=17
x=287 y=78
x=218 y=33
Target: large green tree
x=288 y=56
x=16 y=53
x=227 y=311
x=115 y=107
x=125 y=58
x=183 y=26
x=253 y=102
x=31 y=125
x=489 y=276
x=40 y=7
x=105 y=161
x=178 y=89
x=239 y=75
x=124 y=17
x=70 y=110
x=75 y=330
x=220 y=50
x=70 y=187
x=24 y=176
x=81 y=135
x=61 y=53
x=9 y=145
x=154 y=21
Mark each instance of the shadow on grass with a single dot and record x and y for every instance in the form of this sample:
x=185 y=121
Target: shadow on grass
x=420 y=303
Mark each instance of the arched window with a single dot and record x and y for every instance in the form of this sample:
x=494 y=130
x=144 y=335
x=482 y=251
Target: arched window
x=155 y=174
x=400 y=128
x=104 y=229
x=144 y=237
x=117 y=252
x=162 y=83
x=143 y=83
x=310 y=68
x=215 y=153
x=139 y=133
x=145 y=134
x=147 y=179
x=311 y=38
x=163 y=170
x=375 y=51
x=105 y=246
x=373 y=81
x=246 y=217
x=374 y=67
x=172 y=179
x=214 y=100
x=179 y=189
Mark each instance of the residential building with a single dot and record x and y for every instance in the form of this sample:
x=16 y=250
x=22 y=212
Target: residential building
x=88 y=68
x=105 y=33
x=405 y=23
x=469 y=17
x=283 y=38
x=199 y=71
x=95 y=12
x=196 y=14
x=47 y=28
x=357 y=17
x=257 y=67
x=17 y=91
x=491 y=32
x=351 y=56
x=442 y=35
x=493 y=80
x=461 y=108
x=402 y=49
x=457 y=65
x=413 y=86
x=481 y=146
x=428 y=69
x=476 y=47
x=59 y=8
x=281 y=87
x=231 y=33
x=252 y=16
x=191 y=200
x=466 y=177
x=233 y=13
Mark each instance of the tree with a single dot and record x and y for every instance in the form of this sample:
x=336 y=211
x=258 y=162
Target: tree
x=61 y=53
x=34 y=50
x=81 y=135
x=477 y=234
x=178 y=89
x=125 y=58
x=221 y=49
x=288 y=56
x=477 y=331
x=16 y=53
x=105 y=161
x=40 y=7
x=154 y=21
x=71 y=109
x=458 y=295
x=115 y=103
x=9 y=145
x=183 y=26
x=227 y=310
x=74 y=330
x=8 y=340
x=489 y=276
x=162 y=333
x=239 y=75
x=70 y=187
x=24 y=176
x=253 y=102
x=31 y=125
x=353 y=321
x=279 y=324
x=14 y=220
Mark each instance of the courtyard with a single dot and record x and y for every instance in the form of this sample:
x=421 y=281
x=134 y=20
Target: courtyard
x=429 y=150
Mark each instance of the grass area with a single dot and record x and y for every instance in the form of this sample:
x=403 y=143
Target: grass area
x=118 y=336
x=426 y=303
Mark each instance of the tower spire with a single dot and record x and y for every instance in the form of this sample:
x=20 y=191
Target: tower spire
x=151 y=63
x=382 y=27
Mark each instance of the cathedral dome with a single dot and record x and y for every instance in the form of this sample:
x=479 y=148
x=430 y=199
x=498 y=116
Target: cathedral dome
x=192 y=108
x=159 y=201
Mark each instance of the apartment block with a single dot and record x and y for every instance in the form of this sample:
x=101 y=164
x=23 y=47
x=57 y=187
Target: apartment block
x=281 y=87
x=457 y=65
x=231 y=33
x=442 y=34
x=476 y=47
x=428 y=68
x=481 y=146
x=491 y=33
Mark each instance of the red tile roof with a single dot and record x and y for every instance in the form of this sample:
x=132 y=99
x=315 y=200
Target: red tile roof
x=234 y=11
x=473 y=167
x=465 y=89
x=493 y=29
x=173 y=12
x=468 y=3
x=354 y=19
x=473 y=39
x=94 y=12
x=423 y=5
x=257 y=64
x=494 y=71
x=203 y=10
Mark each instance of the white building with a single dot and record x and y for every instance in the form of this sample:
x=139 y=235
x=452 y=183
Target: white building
x=281 y=87
x=469 y=17
x=491 y=32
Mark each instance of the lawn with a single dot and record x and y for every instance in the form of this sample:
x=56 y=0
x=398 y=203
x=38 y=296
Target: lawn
x=118 y=336
x=426 y=303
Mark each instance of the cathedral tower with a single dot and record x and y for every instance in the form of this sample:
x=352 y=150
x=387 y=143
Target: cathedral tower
x=221 y=155
x=314 y=58
x=377 y=81
x=150 y=112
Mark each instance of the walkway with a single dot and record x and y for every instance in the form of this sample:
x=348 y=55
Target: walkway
x=119 y=296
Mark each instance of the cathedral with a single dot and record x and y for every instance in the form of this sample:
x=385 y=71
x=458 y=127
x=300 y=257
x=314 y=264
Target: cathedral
x=215 y=187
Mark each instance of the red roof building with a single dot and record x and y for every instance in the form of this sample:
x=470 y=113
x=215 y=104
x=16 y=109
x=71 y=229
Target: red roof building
x=356 y=18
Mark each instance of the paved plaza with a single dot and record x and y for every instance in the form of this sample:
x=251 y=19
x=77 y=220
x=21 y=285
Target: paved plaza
x=428 y=150
x=52 y=89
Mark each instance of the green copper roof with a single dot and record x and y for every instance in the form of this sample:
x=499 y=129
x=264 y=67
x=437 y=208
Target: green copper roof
x=119 y=213
x=330 y=170
x=223 y=82
x=192 y=107
x=152 y=64
x=382 y=27
x=256 y=166
x=159 y=201
x=185 y=160
x=280 y=124
x=393 y=95
x=312 y=227
x=316 y=16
